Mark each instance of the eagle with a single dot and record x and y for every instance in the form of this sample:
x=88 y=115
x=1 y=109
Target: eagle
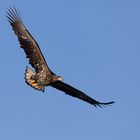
x=42 y=75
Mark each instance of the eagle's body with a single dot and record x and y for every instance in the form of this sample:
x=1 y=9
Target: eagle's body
x=41 y=79
x=42 y=76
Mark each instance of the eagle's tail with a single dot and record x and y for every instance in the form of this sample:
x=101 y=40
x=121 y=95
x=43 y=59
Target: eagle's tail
x=30 y=81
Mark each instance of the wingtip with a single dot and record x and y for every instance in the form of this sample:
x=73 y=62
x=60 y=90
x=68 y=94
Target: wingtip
x=109 y=103
x=13 y=14
x=101 y=105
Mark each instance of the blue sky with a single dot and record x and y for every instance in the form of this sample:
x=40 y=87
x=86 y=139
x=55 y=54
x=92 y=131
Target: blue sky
x=94 y=46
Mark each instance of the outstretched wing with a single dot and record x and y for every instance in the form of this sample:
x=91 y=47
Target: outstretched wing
x=27 y=42
x=77 y=93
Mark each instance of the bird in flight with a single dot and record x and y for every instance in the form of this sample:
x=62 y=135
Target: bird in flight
x=42 y=75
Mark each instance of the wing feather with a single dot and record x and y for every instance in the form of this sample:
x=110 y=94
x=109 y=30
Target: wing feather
x=27 y=42
x=77 y=93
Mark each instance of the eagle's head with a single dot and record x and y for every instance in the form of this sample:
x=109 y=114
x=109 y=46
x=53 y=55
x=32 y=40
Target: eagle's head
x=59 y=78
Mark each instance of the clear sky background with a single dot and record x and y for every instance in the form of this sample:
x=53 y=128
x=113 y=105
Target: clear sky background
x=95 y=46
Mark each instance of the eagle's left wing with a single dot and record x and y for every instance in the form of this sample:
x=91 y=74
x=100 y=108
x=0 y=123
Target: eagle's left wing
x=27 y=42
x=77 y=93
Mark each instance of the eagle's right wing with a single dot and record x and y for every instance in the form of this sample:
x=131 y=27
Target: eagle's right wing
x=27 y=42
x=77 y=93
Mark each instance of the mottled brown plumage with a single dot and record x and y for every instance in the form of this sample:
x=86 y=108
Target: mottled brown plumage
x=42 y=76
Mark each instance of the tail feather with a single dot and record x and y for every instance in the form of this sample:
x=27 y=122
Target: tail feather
x=30 y=81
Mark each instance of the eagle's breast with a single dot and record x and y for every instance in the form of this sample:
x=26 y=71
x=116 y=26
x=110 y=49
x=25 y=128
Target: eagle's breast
x=43 y=77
